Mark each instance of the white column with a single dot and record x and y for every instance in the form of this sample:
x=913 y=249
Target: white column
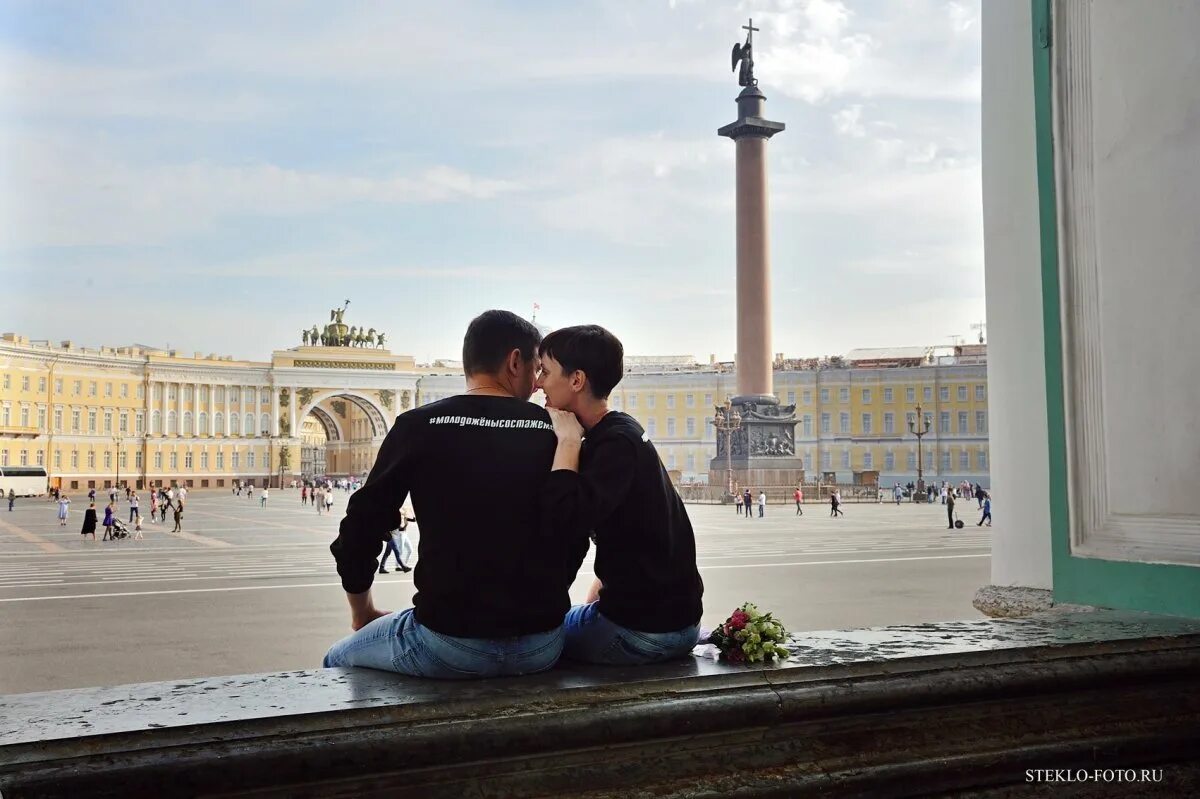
x=1016 y=371
x=162 y=401
x=274 y=411
x=292 y=412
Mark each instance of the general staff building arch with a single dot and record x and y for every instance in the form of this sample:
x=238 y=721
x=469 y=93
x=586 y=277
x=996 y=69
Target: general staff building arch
x=140 y=416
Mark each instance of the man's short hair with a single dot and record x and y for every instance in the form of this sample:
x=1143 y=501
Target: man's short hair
x=491 y=336
x=590 y=349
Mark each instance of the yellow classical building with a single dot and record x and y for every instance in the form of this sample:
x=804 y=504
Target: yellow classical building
x=142 y=416
x=145 y=416
x=852 y=413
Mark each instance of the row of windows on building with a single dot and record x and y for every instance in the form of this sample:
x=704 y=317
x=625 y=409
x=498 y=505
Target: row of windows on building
x=866 y=424
x=946 y=461
x=236 y=393
x=235 y=459
x=962 y=392
x=867 y=395
x=97 y=422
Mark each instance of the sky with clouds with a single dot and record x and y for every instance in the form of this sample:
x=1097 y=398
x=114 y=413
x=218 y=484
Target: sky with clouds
x=217 y=175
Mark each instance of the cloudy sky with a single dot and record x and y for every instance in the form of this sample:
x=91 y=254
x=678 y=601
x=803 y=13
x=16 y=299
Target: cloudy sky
x=217 y=175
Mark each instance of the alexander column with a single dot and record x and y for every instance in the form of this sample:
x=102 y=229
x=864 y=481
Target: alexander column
x=764 y=448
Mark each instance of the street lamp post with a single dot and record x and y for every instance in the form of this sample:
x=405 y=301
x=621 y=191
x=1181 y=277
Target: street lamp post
x=726 y=421
x=117 y=441
x=920 y=430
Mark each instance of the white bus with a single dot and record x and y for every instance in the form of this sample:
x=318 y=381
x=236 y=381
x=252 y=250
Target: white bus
x=25 y=481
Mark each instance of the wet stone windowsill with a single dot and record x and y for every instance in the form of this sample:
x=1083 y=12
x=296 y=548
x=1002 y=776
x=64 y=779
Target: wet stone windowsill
x=74 y=738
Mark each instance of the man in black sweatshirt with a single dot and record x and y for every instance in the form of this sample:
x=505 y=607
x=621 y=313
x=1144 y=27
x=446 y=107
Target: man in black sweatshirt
x=645 y=606
x=491 y=594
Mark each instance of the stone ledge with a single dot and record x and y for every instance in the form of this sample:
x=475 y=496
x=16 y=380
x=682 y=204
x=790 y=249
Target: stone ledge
x=962 y=704
x=1018 y=602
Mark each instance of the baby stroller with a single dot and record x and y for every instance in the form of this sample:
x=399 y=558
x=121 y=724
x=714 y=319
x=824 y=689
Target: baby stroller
x=119 y=530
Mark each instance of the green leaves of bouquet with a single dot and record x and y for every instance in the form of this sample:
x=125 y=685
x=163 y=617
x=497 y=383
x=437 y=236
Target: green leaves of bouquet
x=750 y=636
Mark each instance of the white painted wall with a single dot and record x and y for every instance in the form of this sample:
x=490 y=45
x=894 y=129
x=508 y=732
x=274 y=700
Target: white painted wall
x=1016 y=376
x=1128 y=160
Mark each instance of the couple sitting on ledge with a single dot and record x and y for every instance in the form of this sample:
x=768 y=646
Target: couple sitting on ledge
x=509 y=495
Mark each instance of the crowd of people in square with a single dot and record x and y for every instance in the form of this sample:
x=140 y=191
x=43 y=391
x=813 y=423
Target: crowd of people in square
x=162 y=500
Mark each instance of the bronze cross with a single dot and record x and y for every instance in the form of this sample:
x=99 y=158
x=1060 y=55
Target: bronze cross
x=751 y=29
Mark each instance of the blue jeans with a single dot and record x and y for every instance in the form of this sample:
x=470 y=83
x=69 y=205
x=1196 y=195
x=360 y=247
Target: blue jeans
x=399 y=643
x=593 y=638
x=398 y=550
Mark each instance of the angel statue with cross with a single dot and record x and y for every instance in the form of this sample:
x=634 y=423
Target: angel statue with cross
x=745 y=54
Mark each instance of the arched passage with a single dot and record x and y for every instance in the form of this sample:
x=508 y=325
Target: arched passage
x=340 y=434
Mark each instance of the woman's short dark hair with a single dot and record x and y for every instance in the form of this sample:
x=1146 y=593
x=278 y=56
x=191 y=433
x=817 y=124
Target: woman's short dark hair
x=491 y=336
x=592 y=350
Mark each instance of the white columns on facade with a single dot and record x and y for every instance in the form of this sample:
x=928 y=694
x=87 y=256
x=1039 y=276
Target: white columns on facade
x=162 y=404
x=292 y=429
x=274 y=411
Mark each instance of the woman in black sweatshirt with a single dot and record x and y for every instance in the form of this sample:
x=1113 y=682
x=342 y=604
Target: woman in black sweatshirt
x=612 y=487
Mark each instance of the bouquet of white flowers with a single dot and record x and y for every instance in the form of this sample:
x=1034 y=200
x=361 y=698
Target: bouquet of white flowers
x=750 y=636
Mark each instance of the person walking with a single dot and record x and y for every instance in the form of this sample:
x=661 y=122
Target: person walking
x=404 y=542
x=835 y=504
x=108 y=521
x=178 y=518
x=89 y=521
x=304 y=494
x=748 y=502
x=153 y=506
x=250 y=491
x=762 y=504
x=64 y=504
x=133 y=506
x=92 y=495
x=12 y=498
x=137 y=529
x=262 y=501
x=897 y=493
x=799 y=497
x=319 y=500
x=329 y=501
x=397 y=542
x=737 y=500
x=950 y=510
x=987 y=512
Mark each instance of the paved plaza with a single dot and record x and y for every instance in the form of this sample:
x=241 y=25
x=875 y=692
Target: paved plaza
x=250 y=589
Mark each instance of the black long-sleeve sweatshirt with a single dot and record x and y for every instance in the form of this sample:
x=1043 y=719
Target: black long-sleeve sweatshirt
x=645 y=546
x=489 y=566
